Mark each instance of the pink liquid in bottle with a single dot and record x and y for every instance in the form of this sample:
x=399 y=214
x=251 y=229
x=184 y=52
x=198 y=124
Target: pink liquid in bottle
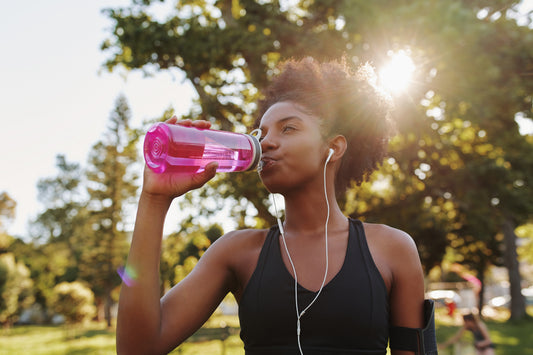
x=176 y=148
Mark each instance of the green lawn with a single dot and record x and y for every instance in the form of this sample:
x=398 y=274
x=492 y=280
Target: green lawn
x=53 y=340
x=95 y=339
x=511 y=339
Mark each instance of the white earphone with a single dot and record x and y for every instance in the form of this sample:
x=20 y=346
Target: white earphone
x=331 y=152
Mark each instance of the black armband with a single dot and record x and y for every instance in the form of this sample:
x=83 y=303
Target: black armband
x=423 y=341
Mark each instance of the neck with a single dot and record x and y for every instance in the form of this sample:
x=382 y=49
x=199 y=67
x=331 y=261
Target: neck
x=306 y=213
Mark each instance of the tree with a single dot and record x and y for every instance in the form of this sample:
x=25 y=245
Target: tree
x=181 y=251
x=55 y=253
x=7 y=211
x=487 y=91
x=111 y=181
x=16 y=290
x=63 y=200
x=74 y=301
x=64 y=219
x=472 y=61
x=227 y=51
x=525 y=232
x=474 y=82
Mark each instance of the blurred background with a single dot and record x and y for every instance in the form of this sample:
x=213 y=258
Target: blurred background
x=82 y=81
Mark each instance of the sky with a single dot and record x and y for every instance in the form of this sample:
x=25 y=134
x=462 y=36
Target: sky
x=56 y=96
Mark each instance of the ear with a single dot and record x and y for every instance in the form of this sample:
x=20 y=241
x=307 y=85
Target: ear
x=339 y=145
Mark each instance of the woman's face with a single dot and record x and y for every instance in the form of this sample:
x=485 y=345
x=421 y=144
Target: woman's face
x=293 y=149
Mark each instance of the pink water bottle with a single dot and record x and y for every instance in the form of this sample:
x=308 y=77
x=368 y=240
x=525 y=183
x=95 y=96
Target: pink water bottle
x=176 y=148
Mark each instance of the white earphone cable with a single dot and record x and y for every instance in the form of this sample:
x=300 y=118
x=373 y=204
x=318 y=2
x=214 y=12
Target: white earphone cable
x=282 y=232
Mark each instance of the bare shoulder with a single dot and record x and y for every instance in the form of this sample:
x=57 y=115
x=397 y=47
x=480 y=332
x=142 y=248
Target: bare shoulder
x=240 y=251
x=230 y=249
x=241 y=240
x=389 y=238
x=394 y=252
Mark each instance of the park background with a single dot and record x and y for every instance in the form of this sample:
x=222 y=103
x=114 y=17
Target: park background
x=81 y=87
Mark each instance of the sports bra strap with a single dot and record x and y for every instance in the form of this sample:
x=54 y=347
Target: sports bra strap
x=422 y=341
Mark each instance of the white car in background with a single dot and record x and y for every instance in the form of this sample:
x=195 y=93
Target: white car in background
x=505 y=301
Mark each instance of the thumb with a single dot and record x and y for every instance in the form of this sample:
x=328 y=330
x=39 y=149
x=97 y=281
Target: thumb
x=211 y=169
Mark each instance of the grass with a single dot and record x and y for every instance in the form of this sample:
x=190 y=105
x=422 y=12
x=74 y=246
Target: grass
x=96 y=339
x=54 y=340
x=511 y=339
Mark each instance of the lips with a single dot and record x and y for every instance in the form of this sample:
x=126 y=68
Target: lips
x=265 y=163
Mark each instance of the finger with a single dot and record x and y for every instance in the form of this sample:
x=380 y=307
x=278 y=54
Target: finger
x=201 y=124
x=186 y=122
x=201 y=178
x=211 y=168
x=173 y=119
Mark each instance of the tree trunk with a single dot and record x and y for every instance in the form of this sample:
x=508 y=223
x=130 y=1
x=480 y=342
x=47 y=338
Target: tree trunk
x=107 y=306
x=100 y=313
x=518 y=304
x=481 y=294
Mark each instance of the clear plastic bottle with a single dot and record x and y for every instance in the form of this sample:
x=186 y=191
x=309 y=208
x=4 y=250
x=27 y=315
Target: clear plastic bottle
x=176 y=148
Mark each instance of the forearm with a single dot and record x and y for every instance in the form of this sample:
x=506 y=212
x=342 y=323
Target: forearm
x=139 y=317
x=454 y=339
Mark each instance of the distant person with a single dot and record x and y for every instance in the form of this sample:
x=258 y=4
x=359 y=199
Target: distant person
x=482 y=342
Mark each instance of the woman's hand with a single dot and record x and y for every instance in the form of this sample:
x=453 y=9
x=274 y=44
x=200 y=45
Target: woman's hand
x=167 y=186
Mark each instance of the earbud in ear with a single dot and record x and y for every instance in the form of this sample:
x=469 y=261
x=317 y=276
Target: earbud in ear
x=331 y=151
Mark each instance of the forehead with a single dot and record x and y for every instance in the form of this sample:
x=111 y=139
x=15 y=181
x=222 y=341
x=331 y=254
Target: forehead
x=285 y=110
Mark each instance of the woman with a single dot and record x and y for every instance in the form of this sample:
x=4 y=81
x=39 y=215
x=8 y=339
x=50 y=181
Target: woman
x=322 y=128
x=482 y=342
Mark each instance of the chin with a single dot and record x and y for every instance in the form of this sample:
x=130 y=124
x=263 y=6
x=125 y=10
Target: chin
x=278 y=187
x=274 y=187
x=279 y=182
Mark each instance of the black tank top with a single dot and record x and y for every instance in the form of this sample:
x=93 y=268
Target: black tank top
x=351 y=315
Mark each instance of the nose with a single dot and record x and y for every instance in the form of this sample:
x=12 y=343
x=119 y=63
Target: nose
x=268 y=142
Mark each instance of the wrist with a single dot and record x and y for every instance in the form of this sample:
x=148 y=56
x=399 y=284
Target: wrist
x=156 y=200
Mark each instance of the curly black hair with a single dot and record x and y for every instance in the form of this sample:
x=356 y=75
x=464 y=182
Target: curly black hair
x=347 y=103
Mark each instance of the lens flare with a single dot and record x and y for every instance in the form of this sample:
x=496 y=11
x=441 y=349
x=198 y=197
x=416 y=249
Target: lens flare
x=396 y=75
x=128 y=275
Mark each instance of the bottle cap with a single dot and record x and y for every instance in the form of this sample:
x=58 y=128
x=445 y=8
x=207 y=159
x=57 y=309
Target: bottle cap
x=156 y=147
x=256 y=146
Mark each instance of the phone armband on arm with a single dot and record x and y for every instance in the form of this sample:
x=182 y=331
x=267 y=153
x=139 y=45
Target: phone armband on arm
x=423 y=341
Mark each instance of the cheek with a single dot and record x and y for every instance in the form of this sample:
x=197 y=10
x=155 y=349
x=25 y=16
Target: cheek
x=301 y=164
x=304 y=158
